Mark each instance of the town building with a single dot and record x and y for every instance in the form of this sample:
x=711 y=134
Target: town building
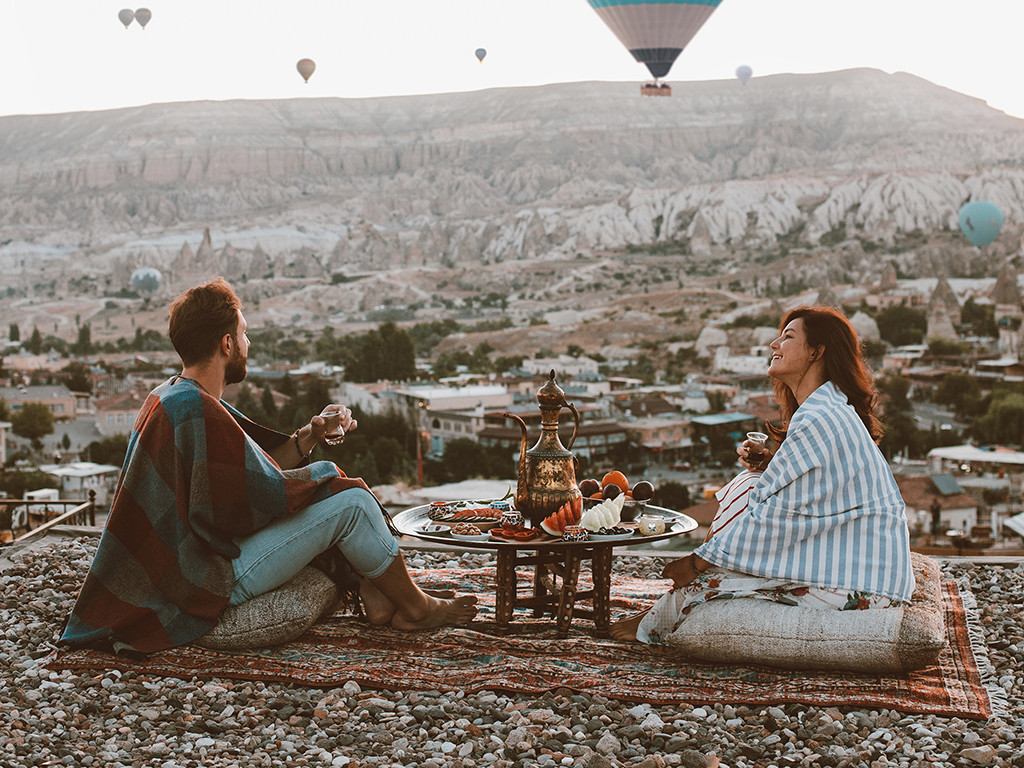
x=61 y=401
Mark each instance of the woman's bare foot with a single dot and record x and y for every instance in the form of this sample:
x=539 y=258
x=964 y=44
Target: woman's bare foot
x=624 y=630
x=440 y=612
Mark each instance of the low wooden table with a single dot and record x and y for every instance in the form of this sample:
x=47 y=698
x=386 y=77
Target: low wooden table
x=556 y=568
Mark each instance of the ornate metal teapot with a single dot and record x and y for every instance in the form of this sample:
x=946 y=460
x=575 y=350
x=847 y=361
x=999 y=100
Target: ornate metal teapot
x=546 y=478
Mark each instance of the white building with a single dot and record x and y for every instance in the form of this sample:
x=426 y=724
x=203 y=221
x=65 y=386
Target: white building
x=74 y=481
x=563 y=365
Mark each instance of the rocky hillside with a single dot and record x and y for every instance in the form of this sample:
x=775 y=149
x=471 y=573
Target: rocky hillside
x=301 y=190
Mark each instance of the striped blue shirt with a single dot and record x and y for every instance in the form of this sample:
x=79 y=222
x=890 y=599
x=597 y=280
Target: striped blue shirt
x=826 y=512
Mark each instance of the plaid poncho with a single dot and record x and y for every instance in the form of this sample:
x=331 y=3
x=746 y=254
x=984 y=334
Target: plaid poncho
x=191 y=482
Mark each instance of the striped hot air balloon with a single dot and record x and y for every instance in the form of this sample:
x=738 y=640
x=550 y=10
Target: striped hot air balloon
x=655 y=31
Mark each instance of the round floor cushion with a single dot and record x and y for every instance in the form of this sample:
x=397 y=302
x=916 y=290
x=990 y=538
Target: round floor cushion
x=274 y=617
x=761 y=633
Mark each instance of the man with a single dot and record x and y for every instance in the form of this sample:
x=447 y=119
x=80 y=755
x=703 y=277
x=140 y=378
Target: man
x=211 y=509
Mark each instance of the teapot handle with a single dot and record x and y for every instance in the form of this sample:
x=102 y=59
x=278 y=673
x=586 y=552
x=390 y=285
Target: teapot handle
x=576 y=424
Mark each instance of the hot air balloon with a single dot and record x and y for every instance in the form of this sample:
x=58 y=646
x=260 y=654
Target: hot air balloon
x=744 y=73
x=980 y=221
x=655 y=31
x=143 y=15
x=126 y=16
x=480 y=53
x=145 y=281
x=306 y=67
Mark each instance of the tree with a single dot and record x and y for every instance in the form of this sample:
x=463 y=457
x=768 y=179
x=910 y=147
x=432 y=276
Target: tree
x=900 y=431
x=35 y=342
x=78 y=379
x=671 y=495
x=13 y=333
x=978 y=319
x=34 y=421
x=960 y=391
x=109 y=450
x=83 y=346
x=1004 y=420
x=900 y=325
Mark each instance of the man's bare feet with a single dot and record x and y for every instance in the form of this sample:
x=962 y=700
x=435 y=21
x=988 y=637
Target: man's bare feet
x=440 y=612
x=624 y=630
x=379 y=610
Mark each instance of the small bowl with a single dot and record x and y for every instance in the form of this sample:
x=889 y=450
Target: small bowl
x=631 y=509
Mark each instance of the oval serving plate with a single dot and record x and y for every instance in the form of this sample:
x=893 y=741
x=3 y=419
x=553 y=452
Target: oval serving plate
x=611 y=536
x=471 y=537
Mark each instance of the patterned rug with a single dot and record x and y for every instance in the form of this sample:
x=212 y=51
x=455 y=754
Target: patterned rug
x=533 y=659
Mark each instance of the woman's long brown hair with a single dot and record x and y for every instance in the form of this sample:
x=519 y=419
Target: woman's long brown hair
x=844 y=366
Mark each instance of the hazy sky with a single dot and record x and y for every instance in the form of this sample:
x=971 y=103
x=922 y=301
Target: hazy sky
x=68 y=55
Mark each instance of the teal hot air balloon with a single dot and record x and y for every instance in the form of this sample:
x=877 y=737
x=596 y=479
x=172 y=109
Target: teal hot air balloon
x=480 y=53
x=655 y=31
x=980 y=221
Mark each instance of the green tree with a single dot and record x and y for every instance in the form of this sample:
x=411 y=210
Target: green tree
x=900 y=431
x=109 y=450
x=78 y=378
x=978 y=319
x=717 y=400
x=83 y=346
x=900 y=325
x=671 y=495
x=33 y=421
x=16 y=483
x=1004 y=420
x=13 y=332
x=35 y=342
x=961 y=392
x=267 y=402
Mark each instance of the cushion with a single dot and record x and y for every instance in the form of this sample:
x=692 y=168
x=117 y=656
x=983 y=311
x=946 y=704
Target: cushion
x=274 y=617
x=879 y=641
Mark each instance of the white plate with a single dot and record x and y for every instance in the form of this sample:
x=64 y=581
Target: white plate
x=471 y=537
x=610 y=537
x=434 y=529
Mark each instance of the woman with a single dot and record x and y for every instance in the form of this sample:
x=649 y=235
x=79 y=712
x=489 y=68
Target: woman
x=824 y=524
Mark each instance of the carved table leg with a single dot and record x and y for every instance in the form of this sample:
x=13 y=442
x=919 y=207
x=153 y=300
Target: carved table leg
x=505 y=592
x=567 y=596
x=602 y=574
x=539 y=590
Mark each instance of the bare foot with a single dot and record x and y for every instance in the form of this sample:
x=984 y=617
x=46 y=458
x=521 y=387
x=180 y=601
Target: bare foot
x=378 y=609
x=624 y=630
x=440 y=612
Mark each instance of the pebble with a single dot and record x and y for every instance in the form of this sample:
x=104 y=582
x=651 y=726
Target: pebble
x=109 y=718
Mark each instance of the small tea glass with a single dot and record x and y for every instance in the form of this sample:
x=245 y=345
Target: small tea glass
x=337 y=437
x=755 y=454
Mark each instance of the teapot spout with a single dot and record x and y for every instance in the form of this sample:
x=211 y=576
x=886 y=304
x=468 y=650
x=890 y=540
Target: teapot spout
x=522 y=471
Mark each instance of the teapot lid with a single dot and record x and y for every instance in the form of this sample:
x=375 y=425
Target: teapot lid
x=551 y=394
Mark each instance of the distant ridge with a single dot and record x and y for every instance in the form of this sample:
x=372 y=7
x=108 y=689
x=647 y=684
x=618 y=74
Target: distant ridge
x=311 y=187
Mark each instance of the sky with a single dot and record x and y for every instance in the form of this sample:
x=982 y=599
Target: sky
x=72 y=55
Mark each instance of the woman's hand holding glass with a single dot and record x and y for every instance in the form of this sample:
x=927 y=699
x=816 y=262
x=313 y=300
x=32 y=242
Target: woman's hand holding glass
x=753 y=452
x=333 y=423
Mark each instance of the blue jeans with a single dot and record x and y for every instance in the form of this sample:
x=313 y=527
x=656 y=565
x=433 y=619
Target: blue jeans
x=351 y=520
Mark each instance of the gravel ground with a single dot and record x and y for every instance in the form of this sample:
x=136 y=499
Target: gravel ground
x=114 y=719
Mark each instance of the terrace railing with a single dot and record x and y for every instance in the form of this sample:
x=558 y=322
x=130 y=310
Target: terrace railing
x=81 y=512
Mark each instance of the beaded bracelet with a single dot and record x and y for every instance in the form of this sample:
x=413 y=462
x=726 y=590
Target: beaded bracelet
x=295 y=436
